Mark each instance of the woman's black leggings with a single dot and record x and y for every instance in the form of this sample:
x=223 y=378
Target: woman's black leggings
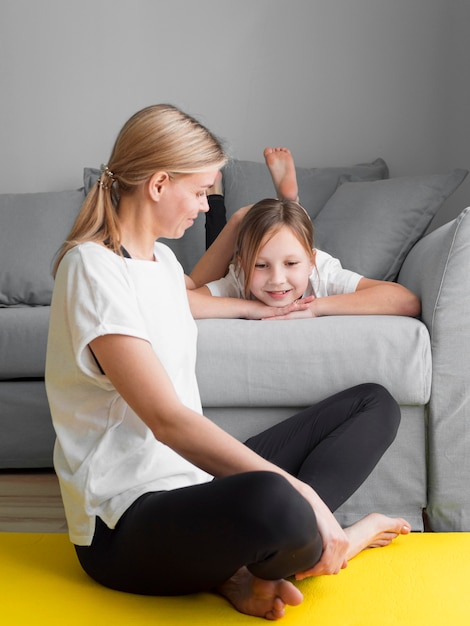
x=193 y=539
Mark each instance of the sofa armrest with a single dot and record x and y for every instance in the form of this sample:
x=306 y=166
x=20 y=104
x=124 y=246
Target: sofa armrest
x=295 y=363
x=437 y=270
x=432 y=265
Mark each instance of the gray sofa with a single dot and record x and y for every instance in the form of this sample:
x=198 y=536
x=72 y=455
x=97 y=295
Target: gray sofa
x=251 y=373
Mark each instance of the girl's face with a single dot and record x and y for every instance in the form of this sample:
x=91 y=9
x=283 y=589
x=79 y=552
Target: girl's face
x=282 y=269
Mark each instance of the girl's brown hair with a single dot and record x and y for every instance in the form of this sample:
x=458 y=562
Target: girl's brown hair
x=265 y=219
x=159 y=137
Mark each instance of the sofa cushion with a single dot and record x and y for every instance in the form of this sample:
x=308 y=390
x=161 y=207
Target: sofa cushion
x=246 y=182
x=34 y=227
x=371 y=226
x=23 y=340
x=298 y=362
x=28 y=436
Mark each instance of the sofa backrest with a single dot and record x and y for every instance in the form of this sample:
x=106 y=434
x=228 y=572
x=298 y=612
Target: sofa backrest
x=369 y=221
x=33 y=226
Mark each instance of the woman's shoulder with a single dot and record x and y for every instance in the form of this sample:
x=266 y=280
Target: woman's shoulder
x=89 y=249
x=162 y=250
x=89 y=258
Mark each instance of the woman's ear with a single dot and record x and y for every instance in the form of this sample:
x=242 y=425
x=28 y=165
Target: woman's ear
x=157 y=184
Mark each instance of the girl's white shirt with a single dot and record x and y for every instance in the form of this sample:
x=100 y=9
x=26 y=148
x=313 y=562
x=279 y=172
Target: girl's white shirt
x=105 y=456
x=328 y=278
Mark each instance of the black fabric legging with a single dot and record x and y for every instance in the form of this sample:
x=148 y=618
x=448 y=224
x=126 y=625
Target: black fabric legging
x=216 y=217
x=193 y=539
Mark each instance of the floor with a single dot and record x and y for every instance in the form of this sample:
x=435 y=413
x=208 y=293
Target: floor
x=31 y=502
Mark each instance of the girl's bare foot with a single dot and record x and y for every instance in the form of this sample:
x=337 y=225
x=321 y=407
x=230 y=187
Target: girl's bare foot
x=260 y=598
x=282 y=169
x=374 y=531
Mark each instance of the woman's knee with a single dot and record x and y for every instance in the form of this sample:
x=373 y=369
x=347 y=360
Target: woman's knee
x=385 y=409
x=290 y=538
x=281 y=509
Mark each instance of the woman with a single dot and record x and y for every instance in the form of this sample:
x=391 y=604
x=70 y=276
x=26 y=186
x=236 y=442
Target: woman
x=158 y=499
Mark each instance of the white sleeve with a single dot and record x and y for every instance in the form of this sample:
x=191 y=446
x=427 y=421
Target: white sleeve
x=100 y=299
x=329 y=278
x=230 y=286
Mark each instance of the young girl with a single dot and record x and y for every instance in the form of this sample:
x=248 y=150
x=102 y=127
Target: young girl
x=159 y=500
x=276 y=263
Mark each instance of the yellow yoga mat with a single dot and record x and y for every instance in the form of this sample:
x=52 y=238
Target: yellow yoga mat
x=421 y=579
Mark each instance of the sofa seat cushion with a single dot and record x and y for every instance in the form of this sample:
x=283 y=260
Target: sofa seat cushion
x=23 y=340
x=28 y=437
x=296 y=363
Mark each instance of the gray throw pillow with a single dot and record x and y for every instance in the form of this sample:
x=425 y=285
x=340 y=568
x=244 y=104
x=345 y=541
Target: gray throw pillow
x=34 y=226
x=371 y=226
x=246 y=182
x=90 y=176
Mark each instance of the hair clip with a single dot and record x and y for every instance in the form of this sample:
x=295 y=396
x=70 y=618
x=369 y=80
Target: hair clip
x=105 y=170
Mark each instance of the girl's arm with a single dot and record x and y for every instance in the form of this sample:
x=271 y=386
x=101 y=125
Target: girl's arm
x=372 y=297
x=203 y=305
x=214 y=263
x=139 y=377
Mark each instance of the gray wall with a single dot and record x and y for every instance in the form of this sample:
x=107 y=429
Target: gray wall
x=337 y=81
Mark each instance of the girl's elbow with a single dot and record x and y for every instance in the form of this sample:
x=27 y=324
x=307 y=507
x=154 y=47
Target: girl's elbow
x=412 y=306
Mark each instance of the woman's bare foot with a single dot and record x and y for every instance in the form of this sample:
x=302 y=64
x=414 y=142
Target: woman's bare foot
x=282 y=169
x=260 y=598
x=374 y=531
x=217 y=188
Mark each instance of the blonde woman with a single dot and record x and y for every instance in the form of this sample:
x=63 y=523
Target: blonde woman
x=158 y=499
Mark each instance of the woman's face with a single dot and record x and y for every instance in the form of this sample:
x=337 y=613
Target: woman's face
x=183 y=200
x=282 y=269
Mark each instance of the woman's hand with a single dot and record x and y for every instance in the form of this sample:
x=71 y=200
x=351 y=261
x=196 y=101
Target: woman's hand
x=335 y=541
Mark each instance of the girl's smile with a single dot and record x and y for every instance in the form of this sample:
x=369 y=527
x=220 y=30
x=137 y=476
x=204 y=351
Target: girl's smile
x=282 y=269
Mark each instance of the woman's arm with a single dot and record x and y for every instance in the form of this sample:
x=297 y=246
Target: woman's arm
x=137 y=374
x=214 y=263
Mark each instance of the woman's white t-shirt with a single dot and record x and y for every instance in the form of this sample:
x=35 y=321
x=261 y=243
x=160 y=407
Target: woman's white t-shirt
x=105 y=456
x=328 y=278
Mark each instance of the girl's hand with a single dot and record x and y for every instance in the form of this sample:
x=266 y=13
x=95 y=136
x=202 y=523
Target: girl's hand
x=299 y=308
